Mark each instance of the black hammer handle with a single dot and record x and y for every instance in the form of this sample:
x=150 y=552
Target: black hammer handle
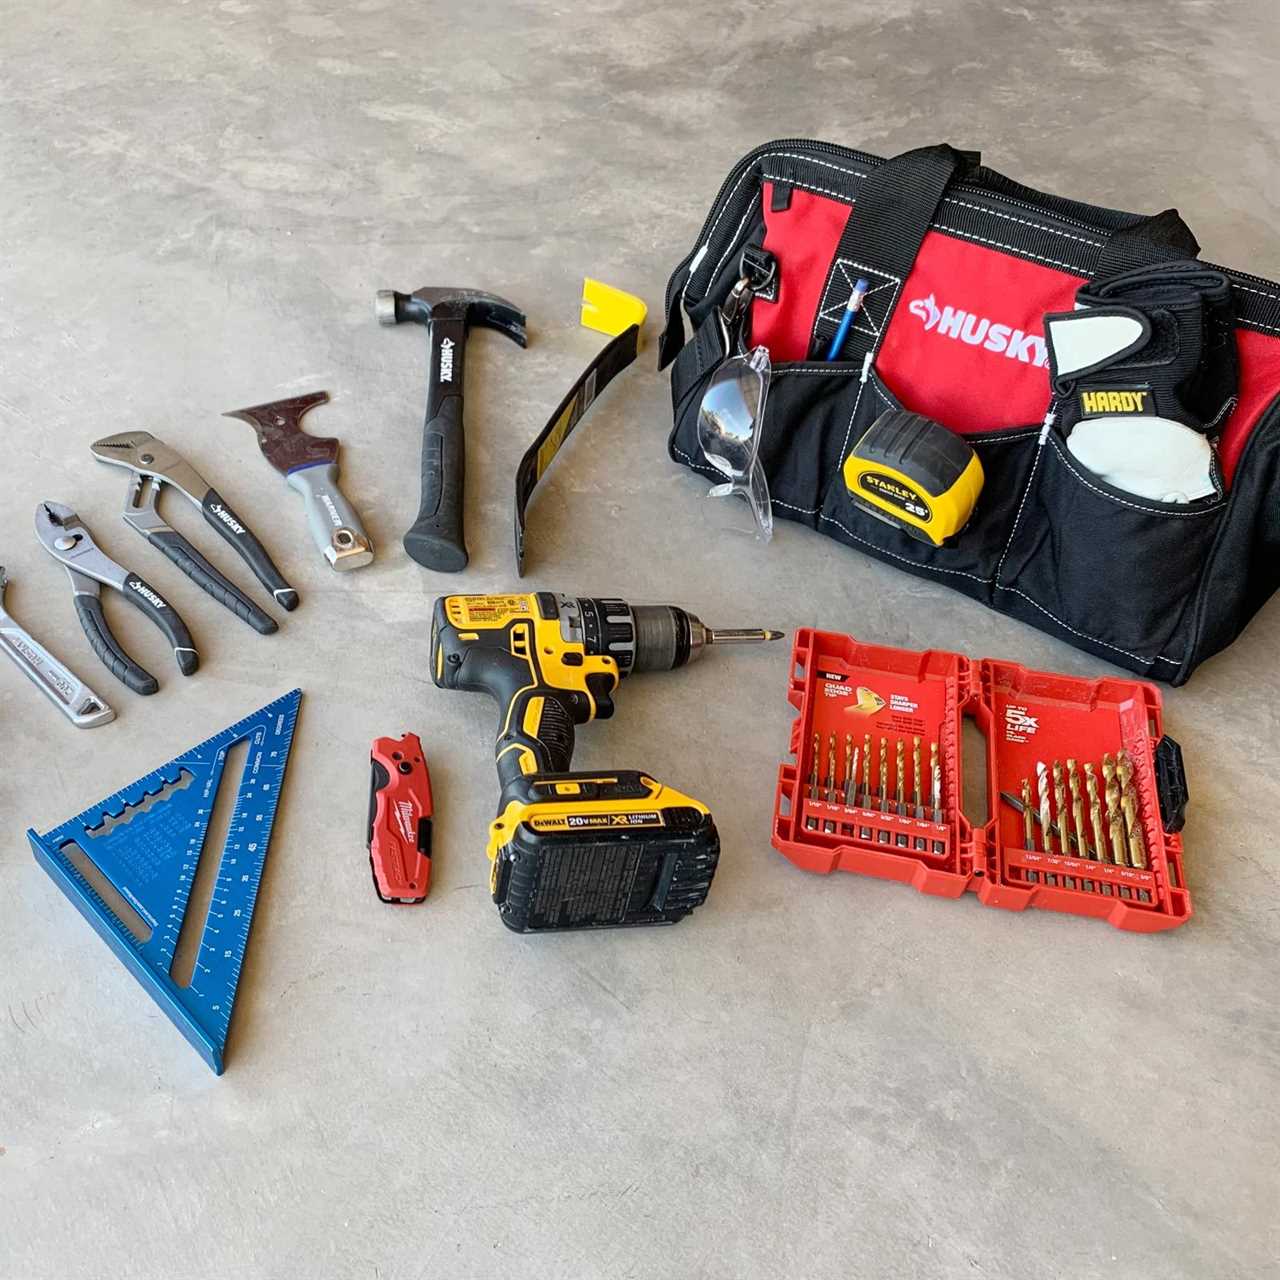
x=234 y=530
x=148 y=600
x=104 y=644
x=436 y=538
x=208 y=579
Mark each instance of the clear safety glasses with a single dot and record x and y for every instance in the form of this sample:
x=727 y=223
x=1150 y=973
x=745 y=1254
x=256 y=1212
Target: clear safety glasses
x=729 y=421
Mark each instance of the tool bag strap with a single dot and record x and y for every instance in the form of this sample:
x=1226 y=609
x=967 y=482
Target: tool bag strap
x=886 y=227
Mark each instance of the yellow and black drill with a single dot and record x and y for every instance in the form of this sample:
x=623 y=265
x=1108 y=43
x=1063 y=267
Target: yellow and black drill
x=578 y=850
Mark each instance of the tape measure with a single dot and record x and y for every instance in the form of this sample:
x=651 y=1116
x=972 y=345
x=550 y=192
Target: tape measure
x=910 y=471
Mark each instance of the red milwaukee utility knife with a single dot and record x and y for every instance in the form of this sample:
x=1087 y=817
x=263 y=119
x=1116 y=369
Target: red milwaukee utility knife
x=400 y=819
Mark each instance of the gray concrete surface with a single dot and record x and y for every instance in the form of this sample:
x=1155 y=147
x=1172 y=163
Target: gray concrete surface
x=813 y=1077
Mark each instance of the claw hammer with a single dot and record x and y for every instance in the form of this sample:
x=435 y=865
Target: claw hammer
x=436 y=538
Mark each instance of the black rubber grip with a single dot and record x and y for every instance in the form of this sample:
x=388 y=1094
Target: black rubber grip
x=230 y=527
x=112 y=655
x=148 y=600
x=208 y=579
x=551 y=745
x=436 y=538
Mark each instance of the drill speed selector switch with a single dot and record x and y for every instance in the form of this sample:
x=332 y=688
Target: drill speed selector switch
x=400 y=819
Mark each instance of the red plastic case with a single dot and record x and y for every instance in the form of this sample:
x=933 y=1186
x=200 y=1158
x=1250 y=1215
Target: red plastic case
x=1026 y=716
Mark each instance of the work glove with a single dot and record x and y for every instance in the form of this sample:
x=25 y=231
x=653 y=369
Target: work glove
x=1145 y=372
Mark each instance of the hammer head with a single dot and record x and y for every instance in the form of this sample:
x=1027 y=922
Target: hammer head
x=471 y=306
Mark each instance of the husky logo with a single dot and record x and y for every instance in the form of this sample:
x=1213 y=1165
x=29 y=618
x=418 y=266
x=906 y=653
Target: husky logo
x=978 y=331
x=446 y=360
x=227 y=518
x=332 y=510
x=146 y=593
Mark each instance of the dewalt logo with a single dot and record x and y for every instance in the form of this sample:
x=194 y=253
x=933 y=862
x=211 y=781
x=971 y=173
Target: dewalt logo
x=1095 y=403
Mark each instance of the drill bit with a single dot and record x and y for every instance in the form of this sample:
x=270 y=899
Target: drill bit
x=1129 y=805
x=1060 y=805
x=813 y=774
x=1114 y=820
x=884 y=775
x=1077 y=810
x=1095 y=812
x=900 y=790
x=851 y=785
x=915 y=777
x=866 y=770
x=848 y=767
x=740 y=635
x=937 y=792
x=831 y=769
x=1028 y=822
x=1046 y=820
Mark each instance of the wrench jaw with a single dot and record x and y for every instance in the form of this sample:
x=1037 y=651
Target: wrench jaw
x=64 y=537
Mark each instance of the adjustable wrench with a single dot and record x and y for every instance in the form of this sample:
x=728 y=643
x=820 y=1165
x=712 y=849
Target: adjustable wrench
x=62 y=687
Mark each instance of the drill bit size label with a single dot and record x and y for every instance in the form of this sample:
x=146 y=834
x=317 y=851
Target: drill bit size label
x=1019 y=724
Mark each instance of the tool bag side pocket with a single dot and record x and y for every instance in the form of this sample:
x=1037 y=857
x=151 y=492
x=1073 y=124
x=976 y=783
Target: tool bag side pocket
x=1107 y=571
x=1242 y=570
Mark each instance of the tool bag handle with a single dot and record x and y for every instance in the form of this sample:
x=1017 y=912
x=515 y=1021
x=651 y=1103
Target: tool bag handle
x=899 y=202
x=883 y=235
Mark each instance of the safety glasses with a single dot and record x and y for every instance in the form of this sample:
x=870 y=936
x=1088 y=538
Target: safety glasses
x=729 y=421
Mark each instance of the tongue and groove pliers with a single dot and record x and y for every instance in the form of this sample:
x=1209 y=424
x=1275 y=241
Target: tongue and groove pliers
x=153 y=464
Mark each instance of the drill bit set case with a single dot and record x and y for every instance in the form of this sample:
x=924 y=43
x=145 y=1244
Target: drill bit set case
x=1084 y=794
x=1027 y=324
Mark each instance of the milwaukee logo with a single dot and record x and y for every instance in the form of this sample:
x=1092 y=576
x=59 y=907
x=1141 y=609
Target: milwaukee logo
x=146 y=593
x=977 y=331
x=227 y=518
x=446 y=360
x=1097 y=402
x=404 y=811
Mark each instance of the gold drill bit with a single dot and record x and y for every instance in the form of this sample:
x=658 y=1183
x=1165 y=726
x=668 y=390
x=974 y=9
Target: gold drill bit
x=1046 y=818
x=1095 y=812
x=865 y=798
x=884 y=775
x=1028 y=821
x=899 y=794
x=813 y=773
x=1114 y=820
x=1077 y=810
x=915 y=777
x=1129 y=804
x=851 y=787
x=848 y=768
x=831 y=769
x=937 y=792
x=1060 y=806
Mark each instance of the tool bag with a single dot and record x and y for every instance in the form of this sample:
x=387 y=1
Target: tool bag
x=963 y=266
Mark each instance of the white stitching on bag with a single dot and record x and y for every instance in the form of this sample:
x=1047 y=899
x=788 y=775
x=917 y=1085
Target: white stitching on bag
x=998 y=244
x=1022 y=222
x=931 y=568
x=1084 y=635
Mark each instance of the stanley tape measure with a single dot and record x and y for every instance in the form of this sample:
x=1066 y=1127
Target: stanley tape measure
x=912 y=472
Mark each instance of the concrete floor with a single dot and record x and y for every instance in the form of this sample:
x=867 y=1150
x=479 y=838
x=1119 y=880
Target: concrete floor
x=817 y=1077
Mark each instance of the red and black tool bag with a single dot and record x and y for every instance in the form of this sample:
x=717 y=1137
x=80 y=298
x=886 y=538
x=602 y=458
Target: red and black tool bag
x=963 y=264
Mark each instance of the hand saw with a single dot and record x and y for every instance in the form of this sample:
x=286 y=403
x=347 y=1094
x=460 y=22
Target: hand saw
x=142 y=846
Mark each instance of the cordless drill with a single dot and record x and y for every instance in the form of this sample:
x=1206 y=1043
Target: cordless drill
x=578 y=850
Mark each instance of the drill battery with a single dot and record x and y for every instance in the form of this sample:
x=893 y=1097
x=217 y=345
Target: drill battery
x=596 y=851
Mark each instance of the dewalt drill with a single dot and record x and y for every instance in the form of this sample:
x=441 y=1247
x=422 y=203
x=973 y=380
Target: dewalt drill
x=578 y=850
